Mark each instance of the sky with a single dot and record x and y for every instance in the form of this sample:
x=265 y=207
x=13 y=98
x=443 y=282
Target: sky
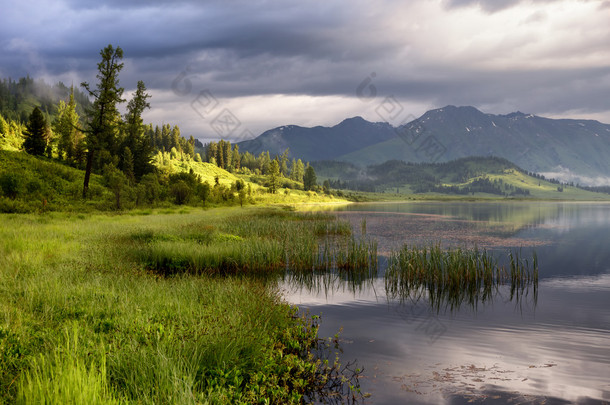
x=235 y=68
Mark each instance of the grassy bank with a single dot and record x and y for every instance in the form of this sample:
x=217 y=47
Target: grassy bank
x=86 y=316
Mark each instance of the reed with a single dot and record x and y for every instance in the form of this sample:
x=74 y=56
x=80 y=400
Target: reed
x=453 y=277
x=266 y=243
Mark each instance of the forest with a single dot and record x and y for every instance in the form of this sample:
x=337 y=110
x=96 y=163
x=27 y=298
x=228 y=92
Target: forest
x=138 y=164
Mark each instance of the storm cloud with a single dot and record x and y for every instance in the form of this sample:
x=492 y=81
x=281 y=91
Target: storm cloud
x=271 y=63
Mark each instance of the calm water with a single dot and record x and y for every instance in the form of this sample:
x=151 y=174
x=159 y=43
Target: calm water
x=553 y=349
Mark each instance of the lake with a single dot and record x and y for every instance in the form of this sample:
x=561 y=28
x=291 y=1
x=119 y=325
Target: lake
x=546 y=346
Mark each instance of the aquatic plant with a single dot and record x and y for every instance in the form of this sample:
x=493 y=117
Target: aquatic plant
x=452 y=277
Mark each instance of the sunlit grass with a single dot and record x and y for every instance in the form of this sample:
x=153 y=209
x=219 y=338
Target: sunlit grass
x=84 y=320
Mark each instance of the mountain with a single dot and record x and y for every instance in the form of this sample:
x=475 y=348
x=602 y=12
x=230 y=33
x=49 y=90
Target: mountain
x=320 y=143
x=578 y=150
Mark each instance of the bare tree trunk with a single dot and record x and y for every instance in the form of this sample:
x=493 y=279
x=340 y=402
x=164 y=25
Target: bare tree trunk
x=87 y=173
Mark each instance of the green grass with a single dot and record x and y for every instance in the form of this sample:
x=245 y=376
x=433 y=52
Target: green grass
x=83 y=320
x=264 y=242
x=450 y=278
x=45 y=185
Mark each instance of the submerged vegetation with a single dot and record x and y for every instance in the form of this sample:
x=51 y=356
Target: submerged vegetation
x=453 y=277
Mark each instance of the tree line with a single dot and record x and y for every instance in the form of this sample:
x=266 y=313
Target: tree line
x=120 y=146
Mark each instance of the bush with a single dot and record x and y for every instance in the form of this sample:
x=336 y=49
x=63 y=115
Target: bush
x=10 y=184
x=181 y=192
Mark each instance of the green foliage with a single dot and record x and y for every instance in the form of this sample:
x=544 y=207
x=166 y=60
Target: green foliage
x=104 y=114
x=267 y=243
x=274 y=175
x=64 y=377
x=150 y=189
x=47 y=185
x=181 y=192
x=117 y=182
x=128 y=168
x=71 y=140
x=298 y=171
x=10 y=134
x=310 y=181
x=204 y=192
x=9 y=183
x=35 y=142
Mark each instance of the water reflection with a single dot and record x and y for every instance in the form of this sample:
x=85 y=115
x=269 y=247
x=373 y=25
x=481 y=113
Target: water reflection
x=555 y=350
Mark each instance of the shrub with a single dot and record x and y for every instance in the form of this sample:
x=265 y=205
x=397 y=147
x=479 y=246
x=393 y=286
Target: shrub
x=10 y=184
x=181 y=192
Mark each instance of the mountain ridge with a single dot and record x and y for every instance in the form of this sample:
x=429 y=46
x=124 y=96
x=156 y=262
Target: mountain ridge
x=576 y=149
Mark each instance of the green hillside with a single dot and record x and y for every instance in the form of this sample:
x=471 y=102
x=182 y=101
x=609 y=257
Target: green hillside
x=472 y=177
x=38 y=184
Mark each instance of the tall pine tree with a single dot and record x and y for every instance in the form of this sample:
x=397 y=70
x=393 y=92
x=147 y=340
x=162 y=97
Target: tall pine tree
x=104 y=116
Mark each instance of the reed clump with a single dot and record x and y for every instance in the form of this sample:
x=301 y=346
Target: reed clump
x=264 y=243
x=452 y=277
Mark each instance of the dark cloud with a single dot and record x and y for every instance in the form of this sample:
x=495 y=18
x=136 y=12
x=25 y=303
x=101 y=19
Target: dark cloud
x=245 y=48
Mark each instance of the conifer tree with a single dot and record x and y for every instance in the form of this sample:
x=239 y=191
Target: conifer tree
x=35 y=143
x=309 y=179
x=65 y=127
x=274 y=176
x=136 y=139
x=104 y=115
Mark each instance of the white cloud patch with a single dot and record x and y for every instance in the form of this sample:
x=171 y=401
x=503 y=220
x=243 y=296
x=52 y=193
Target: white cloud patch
x=567 y=176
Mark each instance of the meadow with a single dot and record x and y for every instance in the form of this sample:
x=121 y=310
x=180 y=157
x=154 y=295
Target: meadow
x=98 y=309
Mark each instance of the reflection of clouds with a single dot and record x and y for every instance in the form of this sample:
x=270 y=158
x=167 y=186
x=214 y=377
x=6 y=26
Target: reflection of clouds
x=551 y=350
x=559 y=348
x=579 y=284
x=335 y=293
x=578 y=215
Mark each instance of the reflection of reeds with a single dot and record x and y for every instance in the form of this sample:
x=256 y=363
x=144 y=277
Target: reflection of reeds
x=456 y=276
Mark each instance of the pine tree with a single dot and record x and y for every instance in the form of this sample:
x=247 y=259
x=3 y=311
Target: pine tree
x=104 y=115
x=175 y=138
x=227 y=155
x=136 y=139
x=284 y=163
x=66 y=128
x=35 y=133
x=236 y=158
x=274 y=176
x=210 y=152
x=298 y=171
x=128 y=166
x=220 y=161
x=309 y=179
x=190 y=147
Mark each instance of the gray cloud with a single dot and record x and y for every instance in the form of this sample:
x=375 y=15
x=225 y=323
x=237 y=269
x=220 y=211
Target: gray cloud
x=239 y=49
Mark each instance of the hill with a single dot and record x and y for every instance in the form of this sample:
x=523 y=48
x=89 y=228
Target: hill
x=573 y=150
x=18 y=98
x=473 y=176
